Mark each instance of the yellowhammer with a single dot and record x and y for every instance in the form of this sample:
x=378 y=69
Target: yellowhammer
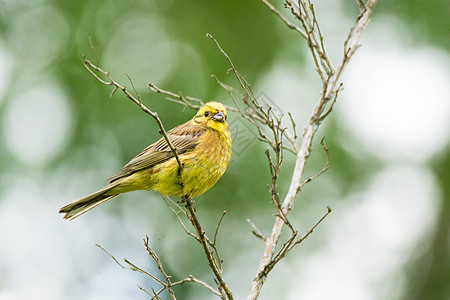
x=203 y=145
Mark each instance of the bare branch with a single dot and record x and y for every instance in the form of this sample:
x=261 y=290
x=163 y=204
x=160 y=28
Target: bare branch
x=221 y=284
x=329 y=85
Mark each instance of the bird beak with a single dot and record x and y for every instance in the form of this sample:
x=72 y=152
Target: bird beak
x=219 y=117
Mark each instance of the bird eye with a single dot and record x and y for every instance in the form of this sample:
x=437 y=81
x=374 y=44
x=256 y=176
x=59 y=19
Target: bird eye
x=206 y=113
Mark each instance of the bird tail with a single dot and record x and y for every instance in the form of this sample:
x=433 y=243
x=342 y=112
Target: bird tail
x=82 y=205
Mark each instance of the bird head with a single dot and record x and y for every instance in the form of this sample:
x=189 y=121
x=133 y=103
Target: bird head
x=212 y=115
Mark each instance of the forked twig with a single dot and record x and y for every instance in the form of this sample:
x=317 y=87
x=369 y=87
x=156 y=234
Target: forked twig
x=196 y=280
x=291 y=243
x=132 y=266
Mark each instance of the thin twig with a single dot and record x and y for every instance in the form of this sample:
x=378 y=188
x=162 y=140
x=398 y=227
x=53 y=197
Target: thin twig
x=329 y=210
x=93 y=49
x=145 y=291
x=285 y=20
x=324 y=169
x=256 y=232
x=291 y=243
x=155 y=257
x=213 y=244
x=178 y=217
x=242 y=82
x=89 y=66
x=132 y=266
x=137 y=269
x=325 y=114
x=202 y=283
x=134 y=88
x=218 y=225
x=186 y=100
x=293 y=125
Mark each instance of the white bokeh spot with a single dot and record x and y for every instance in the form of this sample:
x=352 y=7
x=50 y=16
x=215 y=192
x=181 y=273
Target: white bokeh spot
x=286 y=89
x=36 y=124
x=397 y=101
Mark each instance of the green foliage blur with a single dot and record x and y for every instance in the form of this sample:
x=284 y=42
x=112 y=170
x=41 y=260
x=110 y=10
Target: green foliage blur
x=168 y=38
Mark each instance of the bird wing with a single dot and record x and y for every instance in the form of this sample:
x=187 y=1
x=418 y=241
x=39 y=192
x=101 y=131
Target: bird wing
x=184 y=137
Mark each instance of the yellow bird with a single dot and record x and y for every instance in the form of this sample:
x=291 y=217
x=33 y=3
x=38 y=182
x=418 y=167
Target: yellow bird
x=203 y=145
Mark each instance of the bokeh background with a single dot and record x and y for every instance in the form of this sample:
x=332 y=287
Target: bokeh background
x=61 y=136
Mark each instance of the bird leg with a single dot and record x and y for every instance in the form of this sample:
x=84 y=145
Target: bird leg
x=186 y=199
x=189 y=204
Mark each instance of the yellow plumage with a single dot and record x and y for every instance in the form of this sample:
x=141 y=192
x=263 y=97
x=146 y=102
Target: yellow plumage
x=203 y=145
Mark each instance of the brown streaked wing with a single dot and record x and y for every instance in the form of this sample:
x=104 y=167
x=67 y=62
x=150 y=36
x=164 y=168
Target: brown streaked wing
x=183 y=137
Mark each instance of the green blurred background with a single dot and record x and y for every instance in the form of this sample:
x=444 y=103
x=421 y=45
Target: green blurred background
x=61 y=136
